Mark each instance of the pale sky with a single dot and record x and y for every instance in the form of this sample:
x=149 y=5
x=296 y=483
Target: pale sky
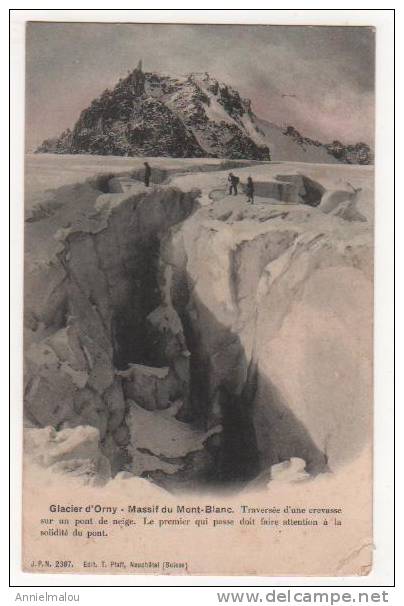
x=329 y=69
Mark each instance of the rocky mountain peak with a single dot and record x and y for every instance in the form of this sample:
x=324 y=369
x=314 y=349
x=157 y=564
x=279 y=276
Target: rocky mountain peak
x=195 y=115
x=152 y=114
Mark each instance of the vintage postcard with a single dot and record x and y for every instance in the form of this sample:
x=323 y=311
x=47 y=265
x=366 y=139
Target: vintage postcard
x=198 y=307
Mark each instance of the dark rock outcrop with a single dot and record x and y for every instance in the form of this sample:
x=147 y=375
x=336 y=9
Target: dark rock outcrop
x=148 y=114
x=151 y=115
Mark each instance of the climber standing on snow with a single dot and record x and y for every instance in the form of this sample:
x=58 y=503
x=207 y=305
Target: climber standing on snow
x=233 y=182
x=147 y=173
x=249 y=190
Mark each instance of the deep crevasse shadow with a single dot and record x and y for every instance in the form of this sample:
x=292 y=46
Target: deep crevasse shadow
x=259 y=428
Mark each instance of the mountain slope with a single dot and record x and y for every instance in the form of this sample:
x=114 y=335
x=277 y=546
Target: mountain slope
x=292 y=148
x=194 y=116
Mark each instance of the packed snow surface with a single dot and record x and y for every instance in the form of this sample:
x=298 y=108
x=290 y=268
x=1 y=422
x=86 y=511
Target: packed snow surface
x=196 y=333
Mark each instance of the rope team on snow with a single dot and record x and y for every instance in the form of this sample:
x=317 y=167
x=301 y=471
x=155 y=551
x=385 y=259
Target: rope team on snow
x=249 y=188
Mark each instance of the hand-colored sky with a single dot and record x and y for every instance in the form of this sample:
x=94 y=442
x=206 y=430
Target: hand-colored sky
x=329 y=70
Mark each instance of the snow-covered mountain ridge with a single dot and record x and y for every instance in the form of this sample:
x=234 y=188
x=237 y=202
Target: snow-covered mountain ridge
x=148 y=114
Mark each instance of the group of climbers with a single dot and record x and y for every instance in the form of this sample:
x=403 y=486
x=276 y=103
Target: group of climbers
x=232 y=179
